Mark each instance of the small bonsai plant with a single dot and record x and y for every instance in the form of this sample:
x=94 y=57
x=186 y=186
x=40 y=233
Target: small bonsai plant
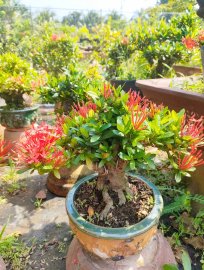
x=17 y=79
x=112 y=131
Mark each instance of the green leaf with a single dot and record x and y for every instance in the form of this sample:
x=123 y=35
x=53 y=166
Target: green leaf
x=47 y=167
x=101 y=163
x=89 y=163
x=170 y=267
x=92 y=94
x=186 y=261
x=104 y=127
x=120 y=125
x=95 y=138
x=76 y=160
x=166 y=135
x=22 y=170
x=124 y=156
x=79 y=140
x=84 y=132
x=132 y=165
x=178 y=177
x=151 y=164
x=118 y=133
x=108 y=134
x=57 y=174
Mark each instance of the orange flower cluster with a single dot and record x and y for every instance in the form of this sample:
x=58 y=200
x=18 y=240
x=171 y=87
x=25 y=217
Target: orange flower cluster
x=138 y=108
x=107 y=92
x=83 y=109
x=193 y=159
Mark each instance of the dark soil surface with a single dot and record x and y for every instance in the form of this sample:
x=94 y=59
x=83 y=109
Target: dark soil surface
x=89 y=203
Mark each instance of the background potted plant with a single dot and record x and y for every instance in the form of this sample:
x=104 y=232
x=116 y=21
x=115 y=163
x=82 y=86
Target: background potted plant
x=118 y=52
x=72 y=86
x=54 y=52
x=160 y=41
x=18 y=80
x=45 y=96
x=110 y=133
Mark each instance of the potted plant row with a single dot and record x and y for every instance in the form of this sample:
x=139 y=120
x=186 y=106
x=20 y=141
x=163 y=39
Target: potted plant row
x=110 y=134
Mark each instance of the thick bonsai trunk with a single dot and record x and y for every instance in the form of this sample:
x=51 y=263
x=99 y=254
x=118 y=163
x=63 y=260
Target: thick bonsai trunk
x=113 y=178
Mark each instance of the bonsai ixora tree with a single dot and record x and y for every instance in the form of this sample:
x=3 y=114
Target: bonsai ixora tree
x=111 y=133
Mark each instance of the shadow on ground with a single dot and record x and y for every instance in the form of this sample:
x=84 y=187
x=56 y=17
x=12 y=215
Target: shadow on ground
x=49 y=247
x=45 y=228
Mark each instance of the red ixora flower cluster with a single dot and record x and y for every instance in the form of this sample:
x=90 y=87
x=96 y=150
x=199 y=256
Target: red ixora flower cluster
x=84 y=108
x=56 y=37
x=193 y=128
x=191 y=43
x=39 y=147
x=190 y=160
x=5 y=147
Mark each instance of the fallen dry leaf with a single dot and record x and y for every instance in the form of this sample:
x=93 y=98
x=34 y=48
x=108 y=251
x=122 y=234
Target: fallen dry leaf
x=42 y=195
x=90 y=211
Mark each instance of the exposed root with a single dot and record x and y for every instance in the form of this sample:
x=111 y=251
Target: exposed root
x=128 y=189
x=121 y=196
x=109 y=204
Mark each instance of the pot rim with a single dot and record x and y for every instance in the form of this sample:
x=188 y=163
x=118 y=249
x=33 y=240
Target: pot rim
x=27 y=109
x=115 y=233
x=123 y=81
x=46 y=105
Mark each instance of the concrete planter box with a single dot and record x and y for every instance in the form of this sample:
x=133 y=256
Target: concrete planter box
x=186 y=71
x=159 y=91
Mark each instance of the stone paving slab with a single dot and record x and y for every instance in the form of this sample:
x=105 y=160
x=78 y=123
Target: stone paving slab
x=46 y=228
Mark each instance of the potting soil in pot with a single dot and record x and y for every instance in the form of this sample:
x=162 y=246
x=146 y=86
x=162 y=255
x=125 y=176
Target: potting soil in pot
x=89 y=203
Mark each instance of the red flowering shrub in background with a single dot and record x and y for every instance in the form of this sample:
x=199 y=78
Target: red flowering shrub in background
x=191 y=43
x=39 y=149
x=5 y=147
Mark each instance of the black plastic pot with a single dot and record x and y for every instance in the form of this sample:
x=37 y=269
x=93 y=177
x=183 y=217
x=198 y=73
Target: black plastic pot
x=126 y=85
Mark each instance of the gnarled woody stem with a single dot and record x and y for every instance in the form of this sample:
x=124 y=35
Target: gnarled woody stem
x=113 y=177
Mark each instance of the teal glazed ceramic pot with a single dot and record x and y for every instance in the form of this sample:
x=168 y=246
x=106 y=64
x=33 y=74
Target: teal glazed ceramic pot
x=108 y=242
x=16 y=119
